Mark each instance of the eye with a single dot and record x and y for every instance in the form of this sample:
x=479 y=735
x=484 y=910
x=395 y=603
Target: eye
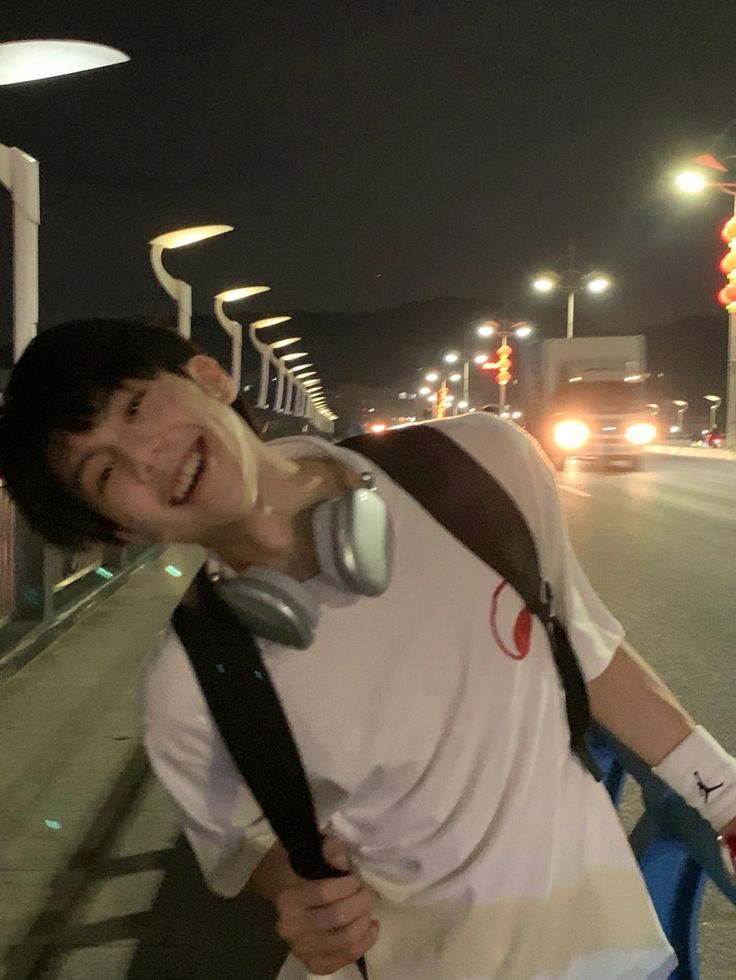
x=131 y=409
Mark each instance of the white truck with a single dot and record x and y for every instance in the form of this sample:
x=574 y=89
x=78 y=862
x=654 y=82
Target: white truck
x=590 y=400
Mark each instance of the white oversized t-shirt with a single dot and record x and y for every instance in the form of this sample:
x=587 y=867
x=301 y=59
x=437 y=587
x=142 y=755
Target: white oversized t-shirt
x=433 y=732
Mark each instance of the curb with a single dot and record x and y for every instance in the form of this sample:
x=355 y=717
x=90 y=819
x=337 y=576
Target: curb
x=693 y=451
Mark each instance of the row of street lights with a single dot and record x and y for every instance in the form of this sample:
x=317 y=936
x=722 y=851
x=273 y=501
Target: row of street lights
x=298 y=392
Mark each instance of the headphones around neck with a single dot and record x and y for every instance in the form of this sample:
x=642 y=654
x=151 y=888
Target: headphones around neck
x=353 y=539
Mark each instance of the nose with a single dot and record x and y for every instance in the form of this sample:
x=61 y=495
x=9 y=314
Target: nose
x=146 y=456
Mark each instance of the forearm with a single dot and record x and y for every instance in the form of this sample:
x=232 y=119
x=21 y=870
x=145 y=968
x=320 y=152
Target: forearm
x=272 y=875
x=638 y=708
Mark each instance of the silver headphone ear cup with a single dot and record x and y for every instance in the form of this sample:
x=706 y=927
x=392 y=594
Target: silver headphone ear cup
x=353 y=538
x=272 y=605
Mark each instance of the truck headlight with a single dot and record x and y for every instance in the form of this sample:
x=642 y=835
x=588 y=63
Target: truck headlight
x=641 y=433
x=571 y=434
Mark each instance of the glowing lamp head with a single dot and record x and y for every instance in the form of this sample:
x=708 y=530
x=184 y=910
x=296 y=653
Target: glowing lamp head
x=641 y=433
x=29 y=61
x=451 y=357
x=241 y=292
x=690 y=182
x=295 y=356
x=432 y=376
x=284 y=343
x=269 y=321
x=545 y=283
x=571 y=434
x=523 y=332
x=598 y=284
x=187 y=236
x=486 y=330
x=455 y=377
x=480 y=358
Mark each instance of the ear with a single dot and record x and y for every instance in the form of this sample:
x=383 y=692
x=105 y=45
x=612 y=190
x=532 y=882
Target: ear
x=207 y=373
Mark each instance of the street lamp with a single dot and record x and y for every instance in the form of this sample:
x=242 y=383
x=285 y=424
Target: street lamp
x=571 y=281
x=180 y=291
x=265 y=353
x=694 y=181
x=504 y=329
x=233 y=327
x=682 y=407
x=715 y=404
x=25 y=61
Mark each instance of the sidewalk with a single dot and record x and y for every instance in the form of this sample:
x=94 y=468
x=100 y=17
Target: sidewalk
x=696 y=452
x=95 y=883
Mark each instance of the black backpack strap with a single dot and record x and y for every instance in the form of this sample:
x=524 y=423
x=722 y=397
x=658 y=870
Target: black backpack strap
x=248 y=714
x=465 y=499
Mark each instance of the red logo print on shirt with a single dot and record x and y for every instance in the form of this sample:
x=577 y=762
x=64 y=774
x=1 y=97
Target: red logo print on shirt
x=522 y=632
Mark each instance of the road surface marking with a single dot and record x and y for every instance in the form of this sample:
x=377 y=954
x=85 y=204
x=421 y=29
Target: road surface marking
x=578 y=493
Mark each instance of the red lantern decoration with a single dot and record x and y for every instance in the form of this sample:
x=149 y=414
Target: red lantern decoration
x=727 y=295
x=728 y=232
x=728 y=263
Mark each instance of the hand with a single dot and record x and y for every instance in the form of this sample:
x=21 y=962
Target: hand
x=327 y=923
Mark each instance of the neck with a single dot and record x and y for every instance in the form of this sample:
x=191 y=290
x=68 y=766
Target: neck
x=277 y=531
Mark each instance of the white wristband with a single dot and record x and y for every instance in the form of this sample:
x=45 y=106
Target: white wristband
x=704 y=775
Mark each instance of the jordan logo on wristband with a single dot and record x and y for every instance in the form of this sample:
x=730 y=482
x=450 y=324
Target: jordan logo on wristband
x=705 y=790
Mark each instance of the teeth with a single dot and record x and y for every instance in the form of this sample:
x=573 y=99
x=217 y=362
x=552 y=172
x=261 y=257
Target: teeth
x=186 y=477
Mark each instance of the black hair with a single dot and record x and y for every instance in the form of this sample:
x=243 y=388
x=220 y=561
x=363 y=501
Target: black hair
x=61 y=384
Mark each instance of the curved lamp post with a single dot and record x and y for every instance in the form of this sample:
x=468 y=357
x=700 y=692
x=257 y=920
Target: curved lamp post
x=681 y=409
x=26 y=61
x=178 y=290
x=571 y=281
x=29 y=61
x=233 y=327
x=715 y=404
x=264 y=352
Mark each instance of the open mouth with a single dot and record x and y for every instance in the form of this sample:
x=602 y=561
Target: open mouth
x=189 y=475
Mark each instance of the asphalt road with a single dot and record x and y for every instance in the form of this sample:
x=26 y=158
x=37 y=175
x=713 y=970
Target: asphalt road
x=659 y=546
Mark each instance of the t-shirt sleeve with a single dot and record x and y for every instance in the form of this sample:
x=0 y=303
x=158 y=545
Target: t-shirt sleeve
x=517 y=461
x=594 y=632
x=222 y=822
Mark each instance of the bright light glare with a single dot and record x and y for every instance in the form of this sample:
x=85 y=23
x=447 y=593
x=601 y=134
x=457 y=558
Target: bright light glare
x=455 y=377
x=523 y=332
x=462 y=404
x=641 y=433
x=480 y=358
x=424 y=390
x=544 y=284
x=27 y=61
x=599 y=284
x=432 y=376
x=674 y=429
x=690 y=181
x=451 y=358
x=378 y=428
x=516 y=415
x=186 y=236
x=304 y=374
x=571 y=434
x=269 y=321
x=241 y=292
x=486 y=330
x=284 y=343
x=295 y=356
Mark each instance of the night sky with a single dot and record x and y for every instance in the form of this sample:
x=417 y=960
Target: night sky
x=371 y=154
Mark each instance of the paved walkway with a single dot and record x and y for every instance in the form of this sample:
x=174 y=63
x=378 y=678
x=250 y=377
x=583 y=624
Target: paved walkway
x=95 y=883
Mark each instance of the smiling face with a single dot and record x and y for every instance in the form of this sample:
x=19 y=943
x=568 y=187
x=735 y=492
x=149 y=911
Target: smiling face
x=169 y=460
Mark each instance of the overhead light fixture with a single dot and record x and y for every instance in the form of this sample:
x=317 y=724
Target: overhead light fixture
x=30 y=61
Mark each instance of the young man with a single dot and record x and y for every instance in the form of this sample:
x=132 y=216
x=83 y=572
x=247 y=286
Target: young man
x=430 y=719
